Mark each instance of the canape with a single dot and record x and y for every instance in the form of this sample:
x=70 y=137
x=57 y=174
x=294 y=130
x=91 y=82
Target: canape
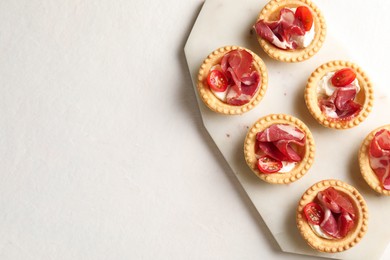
x=339 y=95
x=332 y=216
x=374 y=160
x=279 y=149
x=232 y=80
x=290 y=30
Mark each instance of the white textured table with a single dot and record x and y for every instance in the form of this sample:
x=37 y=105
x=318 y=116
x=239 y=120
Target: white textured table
x=103 y=151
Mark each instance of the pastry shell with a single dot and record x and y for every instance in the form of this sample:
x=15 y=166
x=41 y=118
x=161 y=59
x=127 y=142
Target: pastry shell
x=364 y=162
x=212 y=101
x=300 y=169
x=365 y=97
x=354 y=235
x=271 y=13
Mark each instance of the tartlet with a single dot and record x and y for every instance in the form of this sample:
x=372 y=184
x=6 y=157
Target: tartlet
x=271 y=12
x=364 y=97
x=355 y=234
x=209 y=98
x=307 y=151
x=364 y=162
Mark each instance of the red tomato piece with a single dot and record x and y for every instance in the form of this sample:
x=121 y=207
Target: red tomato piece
x=217 y=81
x=267 y=164
x=304 y=15
x=313 y=213
x=343 y=77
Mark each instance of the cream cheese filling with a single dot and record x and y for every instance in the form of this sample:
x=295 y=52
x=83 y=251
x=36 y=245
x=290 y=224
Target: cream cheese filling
x=221 y=95
x=318 y=231
x=287 y=166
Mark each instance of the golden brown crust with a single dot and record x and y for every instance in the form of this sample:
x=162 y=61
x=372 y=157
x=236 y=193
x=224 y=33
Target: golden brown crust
x=271 y=13
x=300 y=169
x=334 y=245
x=365 y=97
x=212 y=101
x=364 y=163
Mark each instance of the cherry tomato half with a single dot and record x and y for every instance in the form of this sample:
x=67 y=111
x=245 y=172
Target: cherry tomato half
x=343 y=77
x=313 y=213
x=217 y=81
x=266 y=164
x=304 y=15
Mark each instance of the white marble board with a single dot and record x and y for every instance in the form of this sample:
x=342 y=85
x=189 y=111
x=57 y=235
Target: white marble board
x=228 y=22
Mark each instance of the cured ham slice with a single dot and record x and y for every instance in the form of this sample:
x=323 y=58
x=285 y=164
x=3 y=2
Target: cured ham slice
x=240 y=61
x=285 y=148
x=344 y=95
x=384 y=139
x=379 y=152
x=341 y=104
x=271 y=150
x=336 y=228
x=328 y=203
x=278 y=132
x=333 y=200
x=344 y=223
x=281 y=33
x=329 y=224
x=250 y=83
x=339 y=213
x=276 y=142
x=243 y=80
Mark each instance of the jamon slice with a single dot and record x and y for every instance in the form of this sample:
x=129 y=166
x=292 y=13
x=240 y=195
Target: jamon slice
x=335 y=201
x=250 y=82
x=339 y=213
x=276 y=140
x=384 y=139
x=240 y=61
x=281 y=33
x=350 y=110
x=246 y=85
x=241 y=92
x=328 y=203
x=379 y=152
x=272 y=151
x=278 y=132
x=343 y=95
x=329 y=224
x=344 y=223
x=341 y=104
x=235 y=99
x=285 y=148
x=264 y=31
x=380 y=144
x=237 y=66
x=336 y=226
